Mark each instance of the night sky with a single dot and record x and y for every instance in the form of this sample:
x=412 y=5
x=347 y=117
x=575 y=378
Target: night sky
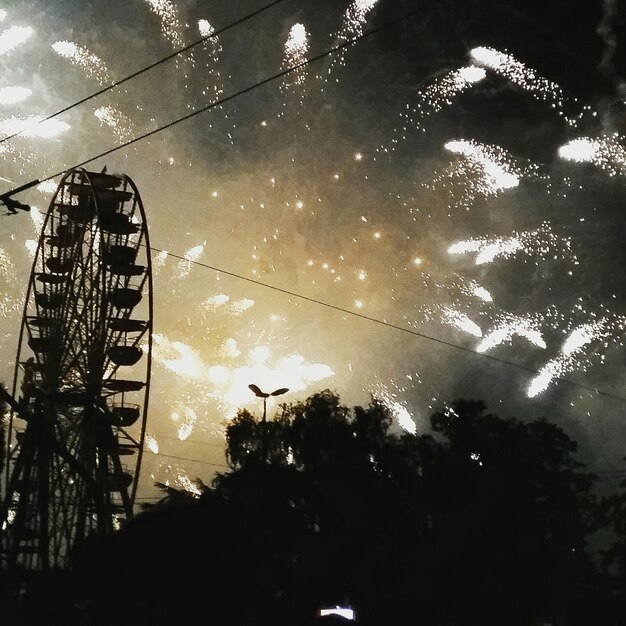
x=431 y=213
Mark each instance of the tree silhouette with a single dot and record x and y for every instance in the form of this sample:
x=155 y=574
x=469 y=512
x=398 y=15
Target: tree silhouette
x=484 y=520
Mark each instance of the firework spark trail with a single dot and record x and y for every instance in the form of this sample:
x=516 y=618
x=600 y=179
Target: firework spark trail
x=96 y=69
x=121 y=125
x=8 y=281
x=93 y=66
x=151 y=443
x=526 y=78
x=296 y=50
x=460 y=320
x=352 y=26
x=33 y=126
x=573 y=355
x=37 y=218
x=481 y=171
x=432 y=99
x=493 y=160
x=186 y=429
x=13 y=37
x=606 y=152
x=213 y=48
x=170 y=22
x=541 y=244
x=508 y=326
x=158 y=262
x=13 y=95
x=171 y=29
x=398 y=410
x=189 y=258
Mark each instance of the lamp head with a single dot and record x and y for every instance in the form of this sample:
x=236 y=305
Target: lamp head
x=257 y=392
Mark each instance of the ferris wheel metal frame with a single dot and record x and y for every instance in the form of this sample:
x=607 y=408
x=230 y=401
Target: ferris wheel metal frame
x=81 y=381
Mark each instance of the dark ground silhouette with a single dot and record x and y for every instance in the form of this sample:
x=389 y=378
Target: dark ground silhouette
x=486 y=521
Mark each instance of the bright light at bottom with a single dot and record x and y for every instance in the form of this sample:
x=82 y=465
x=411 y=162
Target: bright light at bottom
x=345 y=612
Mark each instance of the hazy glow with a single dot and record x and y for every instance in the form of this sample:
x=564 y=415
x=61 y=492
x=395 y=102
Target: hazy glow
x=448 y=237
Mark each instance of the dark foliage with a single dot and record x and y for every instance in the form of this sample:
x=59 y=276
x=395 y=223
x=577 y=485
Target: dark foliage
x=486 y=521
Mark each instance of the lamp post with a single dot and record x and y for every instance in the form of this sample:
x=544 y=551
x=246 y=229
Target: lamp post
x=261 y=394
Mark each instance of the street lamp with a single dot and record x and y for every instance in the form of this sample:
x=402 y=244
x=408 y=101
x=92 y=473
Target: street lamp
x=261 y=394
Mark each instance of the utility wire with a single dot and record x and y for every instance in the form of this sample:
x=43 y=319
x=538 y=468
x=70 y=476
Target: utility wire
x=221 y=101
x=375 y=320
x=245 y=90
x=174 y=54
x=182 y=458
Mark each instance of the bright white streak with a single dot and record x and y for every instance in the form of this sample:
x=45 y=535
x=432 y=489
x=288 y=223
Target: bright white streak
x=540 y=243
x=170 y=24
x=190 y=257
x=496 y=170
x=152 y=444
x=462 y=322
x=401 y=414
x=606 y=152
x=568 y=359
x=296 y=50
x=12 y=95
x=213 y=302
x=13 y=37
x=505 y=330
x=78 y=55
x=205 y=28
x=482 y=293
x=519 y=74
x=47 y=186
x=116 y=120
x=34 y=126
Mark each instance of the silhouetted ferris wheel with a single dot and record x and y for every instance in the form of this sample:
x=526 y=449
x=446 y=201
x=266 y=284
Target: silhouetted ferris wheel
x=82 y=374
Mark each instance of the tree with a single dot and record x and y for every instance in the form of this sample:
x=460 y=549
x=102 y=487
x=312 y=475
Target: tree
x=483 y=521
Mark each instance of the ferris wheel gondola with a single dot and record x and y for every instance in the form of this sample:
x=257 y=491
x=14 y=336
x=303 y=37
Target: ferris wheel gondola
x=82 y=374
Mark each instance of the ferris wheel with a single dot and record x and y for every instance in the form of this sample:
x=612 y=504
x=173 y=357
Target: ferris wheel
x=82 y=374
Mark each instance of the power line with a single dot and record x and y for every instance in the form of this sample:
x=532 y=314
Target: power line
x=245 y=90
x=174 y=54
x=221 y=101
x=182 y=458
x=375 y=320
